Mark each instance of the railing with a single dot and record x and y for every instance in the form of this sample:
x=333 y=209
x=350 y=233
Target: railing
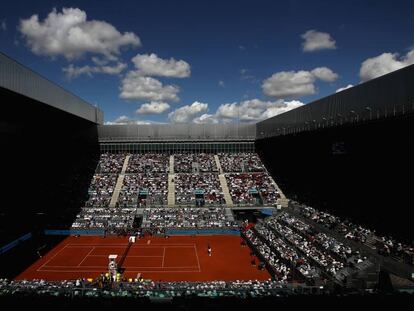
x=136 y=290
x=213 y=231
x=174 y=139
x=16 y=242
x=100 y=232
x=352 y=117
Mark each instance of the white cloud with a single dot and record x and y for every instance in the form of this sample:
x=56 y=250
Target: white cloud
x=316 y=41
x=3 y=25
x=324 y=74
x=136 y=87
x=289 y=83
x=124 y=120
x=244 y=75
x=246 y=111
x=344 y=88
x=112 y=70
x=385 y=63
x=296 y=83
x=99 y=61
x=254 y=109
x=281 y=108
x=152 y=65
x=221 y=83
x=206 y=119
x=72 y=71
x=188 y=113
x=70 y=34
x=153 y=108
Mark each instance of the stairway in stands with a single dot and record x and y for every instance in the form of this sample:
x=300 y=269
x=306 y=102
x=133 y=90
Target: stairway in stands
x=229 y=214
x=371 y=242
x=283 y=201
x=223 y=183
x=171 y=184
x=119 y=183
x=226 y=193
x=216 y=158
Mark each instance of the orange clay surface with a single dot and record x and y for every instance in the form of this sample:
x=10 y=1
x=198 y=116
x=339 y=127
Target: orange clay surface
x=177 y=258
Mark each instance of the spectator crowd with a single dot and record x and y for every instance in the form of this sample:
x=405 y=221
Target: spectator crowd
x=241 y=162
x=385 y=245
x=101 y=287
x=313 y=256
x=194 y=163
x=110 y=163
x=187 y=218
x=203 y=189
x=145 y=184
x=111 y=219
x=144 y=189
x=101 y=189
x=152 y=163
x=251 y=189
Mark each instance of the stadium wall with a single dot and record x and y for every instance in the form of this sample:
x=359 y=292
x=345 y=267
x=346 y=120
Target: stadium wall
x=176 y=132
x=49 y=151
x=47 y=161
x=359 y=169
x=20 y=79
x=48 y=158
x=349 y=153
x=384 y=97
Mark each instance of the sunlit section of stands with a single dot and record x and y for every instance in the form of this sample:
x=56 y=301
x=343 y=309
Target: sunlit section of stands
x=218 y=164
x=117 y=191
x=282 y=199
x=226 y=193
x=125 y=165
x=171 y=183
x=187 y=218
x=144 y=189
x=186 y=180
x=171 y=190
x=251 y=189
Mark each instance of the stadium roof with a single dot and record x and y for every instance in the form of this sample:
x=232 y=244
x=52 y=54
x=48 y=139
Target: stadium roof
x=21 y=80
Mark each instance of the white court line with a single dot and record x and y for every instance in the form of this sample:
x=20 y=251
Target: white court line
x=163 y=258
x=127 y=256
x=166 y=246
x=93 y=248
x=51 y=258
x=133 y=267
x=97 y=246
x=43 y=267
x=198 y=261
x=137 y=244
x=132 y=271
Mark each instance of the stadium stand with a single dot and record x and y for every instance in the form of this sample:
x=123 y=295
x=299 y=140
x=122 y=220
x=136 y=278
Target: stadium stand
x=252 y=189
x=198 y=189
x=242 y=162
x=148 y=163
x=133 y=180
x=186 y=218
x=196 y=184
x=385 y=245
x=144 y=189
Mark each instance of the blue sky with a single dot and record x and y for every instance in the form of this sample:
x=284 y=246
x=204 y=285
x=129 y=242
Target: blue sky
x=214 y=61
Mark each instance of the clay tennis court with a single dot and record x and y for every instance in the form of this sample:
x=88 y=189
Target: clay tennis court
x=176 y=258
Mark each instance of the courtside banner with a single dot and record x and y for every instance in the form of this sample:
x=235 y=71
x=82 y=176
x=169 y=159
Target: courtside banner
x=75 y=232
